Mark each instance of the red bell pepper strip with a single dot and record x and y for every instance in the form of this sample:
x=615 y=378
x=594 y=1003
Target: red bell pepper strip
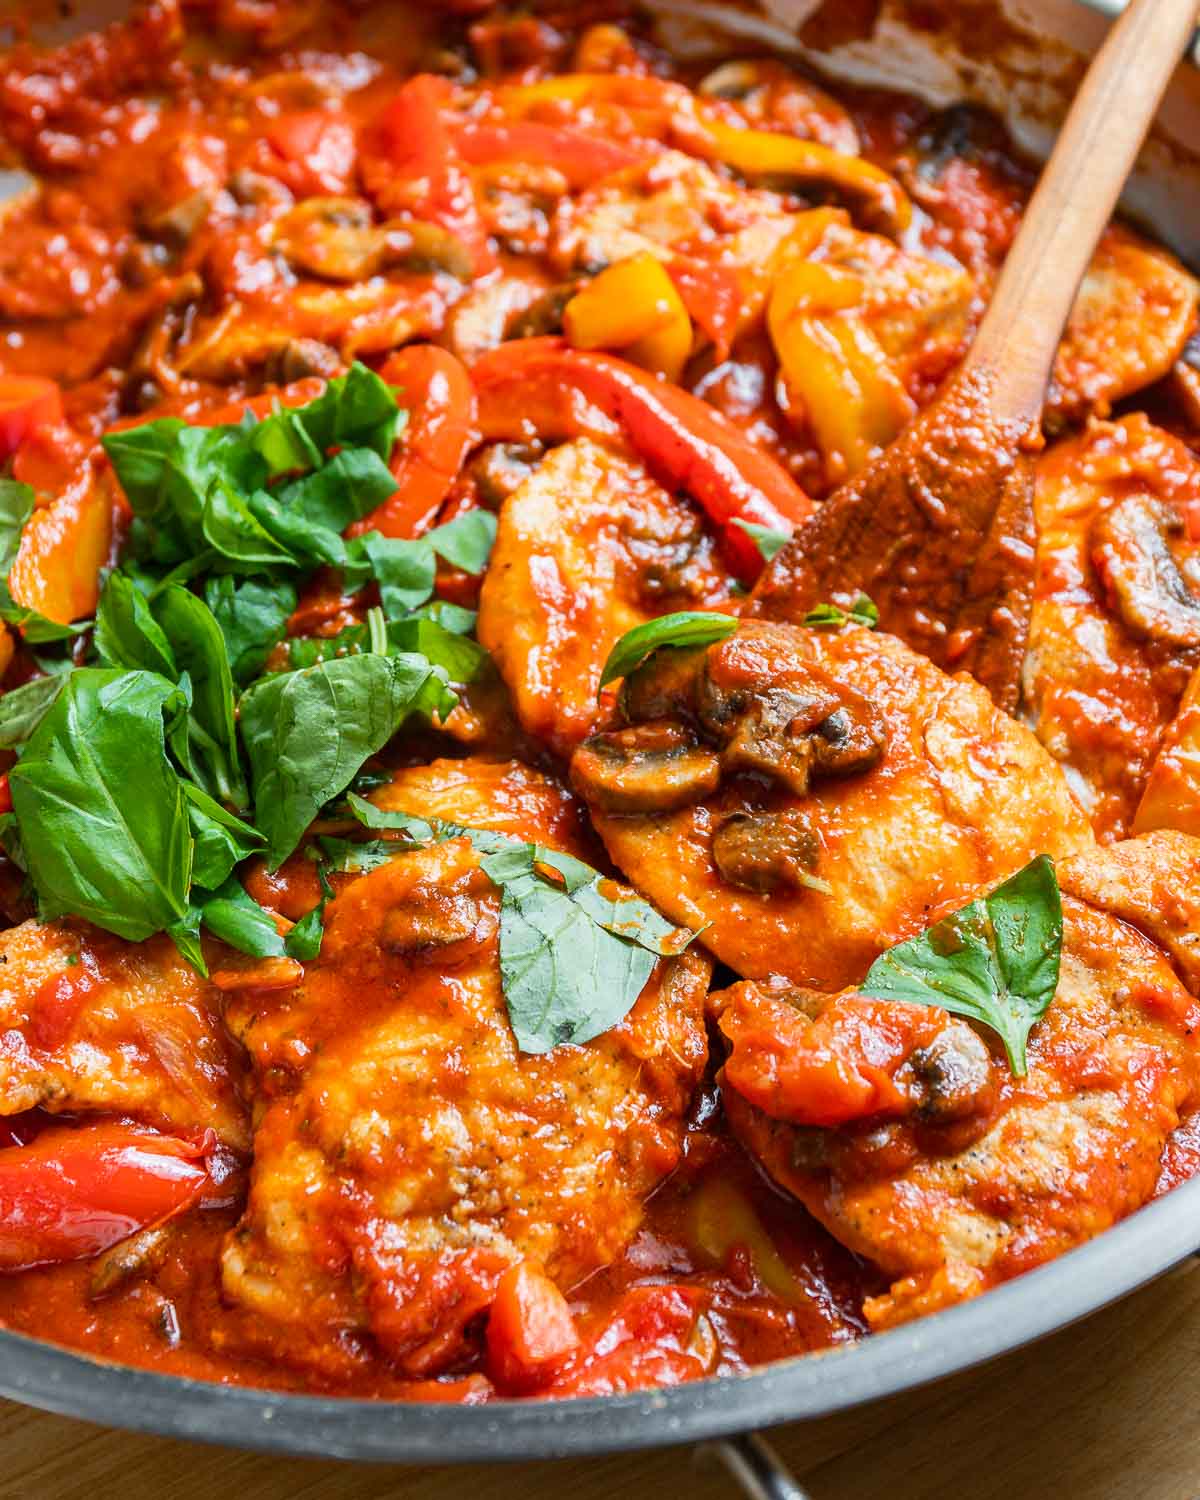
x=27 y=402
x=416 y=168
x=73 y=1192
x=581 y=158
x=541 y=388
x=440 y=398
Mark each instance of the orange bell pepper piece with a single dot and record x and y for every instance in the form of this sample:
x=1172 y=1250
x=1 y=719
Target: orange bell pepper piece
x=634 y=307
x=63 y=548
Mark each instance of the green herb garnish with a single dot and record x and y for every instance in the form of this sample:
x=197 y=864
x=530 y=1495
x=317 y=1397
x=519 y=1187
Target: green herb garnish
x=995 y=961
x=830 y=617
x=576 y=949
x=688 y=628
x=150 y=773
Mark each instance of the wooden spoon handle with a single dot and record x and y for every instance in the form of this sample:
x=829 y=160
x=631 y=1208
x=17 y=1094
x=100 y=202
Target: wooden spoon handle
x=1077 y=193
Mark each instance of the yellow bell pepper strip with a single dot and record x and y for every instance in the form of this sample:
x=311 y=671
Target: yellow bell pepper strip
x=541 y=388
x=832 y=363
x=635 y=308
x=766 y=153
x=662 y=108
x=722 y=1219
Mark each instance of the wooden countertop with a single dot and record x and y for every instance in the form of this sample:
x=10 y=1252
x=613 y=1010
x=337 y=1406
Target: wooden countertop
x=1109 y=1410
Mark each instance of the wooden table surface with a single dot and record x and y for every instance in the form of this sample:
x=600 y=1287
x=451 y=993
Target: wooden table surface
x=1109 y=1410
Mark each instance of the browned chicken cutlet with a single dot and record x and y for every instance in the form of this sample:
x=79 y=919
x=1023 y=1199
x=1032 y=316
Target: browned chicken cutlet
x=406 y=1153
x=90 y=1024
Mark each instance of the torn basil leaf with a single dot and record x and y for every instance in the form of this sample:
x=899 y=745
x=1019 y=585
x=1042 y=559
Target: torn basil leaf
x=687 y=628
x=307 y=733
x=101 y=810
x=996 y=961
x=23 y=708
x=576 y=949
x=863 y=612
x=767 y=540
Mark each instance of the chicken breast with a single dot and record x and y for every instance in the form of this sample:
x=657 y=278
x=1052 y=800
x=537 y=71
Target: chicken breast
x=406 y=1152
x=1134 y=313
x=825 y=794
x=89 y=1024
x=1114 y=631
x=588 y=547
x=903 y=1130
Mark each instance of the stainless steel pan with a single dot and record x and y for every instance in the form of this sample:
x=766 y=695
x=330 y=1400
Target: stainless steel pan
x=1029 y=83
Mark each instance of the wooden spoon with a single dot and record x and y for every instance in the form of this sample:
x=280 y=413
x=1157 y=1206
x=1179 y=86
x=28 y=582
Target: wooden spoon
x=938 y=529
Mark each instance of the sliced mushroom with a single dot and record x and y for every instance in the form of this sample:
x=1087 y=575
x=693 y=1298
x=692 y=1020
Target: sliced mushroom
x=176 y=226
x=1131 y=548
x=760 y=851
x=951 y=1079
x=300 y=358
x=790 y=734
x=656 y=767
x=338 y=240
x=664 y=686
x=500 y=469
x=437 y=921
x=545 y=316
x=140 y=1255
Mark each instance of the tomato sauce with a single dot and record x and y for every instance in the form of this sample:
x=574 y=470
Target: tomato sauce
x=142 y=280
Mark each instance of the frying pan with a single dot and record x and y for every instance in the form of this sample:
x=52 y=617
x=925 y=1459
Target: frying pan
x=1026 y=79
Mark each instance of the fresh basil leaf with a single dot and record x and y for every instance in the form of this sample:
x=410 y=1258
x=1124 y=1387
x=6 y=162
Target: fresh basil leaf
x=222 y=841
x=16 y=507
x=199 y=648
x=307 y=733
x=565 y=979
x=863 y=612
x=451 y=617
x=307 y=542
x=461 y=659
x=996 y=961
x=344 y=857
x=767 y=540
x=185 y=934
x=236 y=533
x=356 y=410
x=23 y=708
x=101 y=809
x=576 y=949
x=127 y=634
x=282 y=442
x=467 y=541
x=141 y=457
x=348 y=487
x=234 y=916
x=253 y=619
x=406 y=571
x=688 y=628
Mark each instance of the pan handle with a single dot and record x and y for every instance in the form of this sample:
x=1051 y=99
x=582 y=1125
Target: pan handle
x=758 y=1469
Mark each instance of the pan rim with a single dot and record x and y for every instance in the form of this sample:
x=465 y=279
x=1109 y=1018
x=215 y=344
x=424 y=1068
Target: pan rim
x=1043 y=1301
